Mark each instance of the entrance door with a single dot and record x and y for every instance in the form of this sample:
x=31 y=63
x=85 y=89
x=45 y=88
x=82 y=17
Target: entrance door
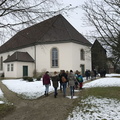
x=82 y=69
x=25 y=70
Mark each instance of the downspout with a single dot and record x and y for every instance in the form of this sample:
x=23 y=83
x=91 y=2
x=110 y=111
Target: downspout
x=35 y=59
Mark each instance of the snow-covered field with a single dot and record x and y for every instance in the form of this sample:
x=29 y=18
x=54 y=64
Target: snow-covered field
x=97 y=109
x=29 y=90
x=103 y=82
x=1 y=96
x=101 y=108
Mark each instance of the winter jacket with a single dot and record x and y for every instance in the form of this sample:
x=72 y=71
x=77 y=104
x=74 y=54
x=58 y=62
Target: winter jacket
x=46 y=79
x=71 y=79
x=64 y=75
x=55 y=80
x=79 y=78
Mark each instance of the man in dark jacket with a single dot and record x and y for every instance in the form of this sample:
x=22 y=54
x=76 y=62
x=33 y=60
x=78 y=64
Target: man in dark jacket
x=46 y=82
x=55 y=79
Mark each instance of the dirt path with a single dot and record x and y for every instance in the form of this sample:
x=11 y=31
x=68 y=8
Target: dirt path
x=43 y=108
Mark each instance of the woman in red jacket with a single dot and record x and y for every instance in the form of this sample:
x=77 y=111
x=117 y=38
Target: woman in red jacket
x=46 y=82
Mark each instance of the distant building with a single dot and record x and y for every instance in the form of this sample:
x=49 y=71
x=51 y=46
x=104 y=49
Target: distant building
x=99 y=57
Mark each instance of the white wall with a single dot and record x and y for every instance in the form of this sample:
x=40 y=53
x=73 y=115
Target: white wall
x=76 y=48
x=30 y=50
x=10 y=73
x=18 y=69
x=69 y=57
x=43 y=57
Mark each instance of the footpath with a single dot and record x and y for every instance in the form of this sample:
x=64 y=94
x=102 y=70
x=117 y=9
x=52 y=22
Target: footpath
x=43 y=108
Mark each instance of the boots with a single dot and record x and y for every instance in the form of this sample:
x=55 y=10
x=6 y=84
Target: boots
x=45 y=93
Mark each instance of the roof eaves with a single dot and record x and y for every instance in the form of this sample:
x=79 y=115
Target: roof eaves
x=18 y=48
x=17 y=61
x=65 y=41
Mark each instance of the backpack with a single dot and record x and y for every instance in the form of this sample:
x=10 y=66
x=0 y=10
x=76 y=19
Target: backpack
x=63 y=79
x=79 y=78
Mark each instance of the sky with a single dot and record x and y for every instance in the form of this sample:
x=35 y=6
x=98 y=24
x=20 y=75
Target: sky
x=101 y=108
x=76 y=17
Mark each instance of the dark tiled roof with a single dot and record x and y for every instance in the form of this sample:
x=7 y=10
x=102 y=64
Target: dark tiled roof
x=20 y=56
x=54 y=30
x=96 y=46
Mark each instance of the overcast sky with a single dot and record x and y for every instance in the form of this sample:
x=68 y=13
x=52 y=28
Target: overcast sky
x=76 y=17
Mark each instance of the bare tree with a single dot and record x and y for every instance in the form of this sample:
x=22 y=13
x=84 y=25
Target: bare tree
x=104 y=15
x=16 y=14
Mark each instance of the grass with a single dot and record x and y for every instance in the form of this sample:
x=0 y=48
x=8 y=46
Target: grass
x=116 y=76
x=98 y=92
x=5 y=109
x=105 y=92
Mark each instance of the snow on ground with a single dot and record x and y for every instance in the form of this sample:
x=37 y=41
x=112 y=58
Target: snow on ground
x=29 y=90
x=113 y=74
x=33 y=90
x=96 y=109
x=1 y=96
x=1 y=93
x=101 y=108
x=103 y=82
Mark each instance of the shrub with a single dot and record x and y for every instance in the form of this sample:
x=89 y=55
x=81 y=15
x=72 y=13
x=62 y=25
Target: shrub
x=29 y=79
x=118 y=71
x=2 y=75
x=38 y=78
x=25 y=78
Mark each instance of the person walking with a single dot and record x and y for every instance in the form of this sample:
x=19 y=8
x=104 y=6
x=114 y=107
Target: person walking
x=60 y=80
x=71 y=83
x=95 y=73
x=64 y=82
x=92 y=75
x=80 y=80
x=46 y=82
x=76 y=82
x=87 y=74
x=55 y=79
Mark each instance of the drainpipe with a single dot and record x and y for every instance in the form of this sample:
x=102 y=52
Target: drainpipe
x=35 y=57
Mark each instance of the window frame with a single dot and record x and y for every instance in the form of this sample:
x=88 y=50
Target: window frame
x=54 y=57
x=82 y=54
x=12 y=67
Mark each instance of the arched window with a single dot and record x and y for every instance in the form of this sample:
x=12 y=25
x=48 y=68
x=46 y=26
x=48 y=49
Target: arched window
x=1 y=63
x=54 y=57
x=82 y=54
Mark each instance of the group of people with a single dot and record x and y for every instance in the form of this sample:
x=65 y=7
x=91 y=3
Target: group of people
x=90 y=75
x=66 y=79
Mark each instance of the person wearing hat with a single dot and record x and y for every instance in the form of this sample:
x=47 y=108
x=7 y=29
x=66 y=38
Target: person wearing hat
x=46 y=82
